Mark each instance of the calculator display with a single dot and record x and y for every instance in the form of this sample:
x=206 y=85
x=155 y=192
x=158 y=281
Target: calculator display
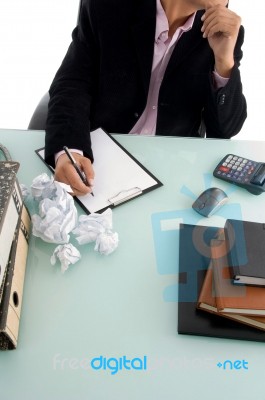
x=242 y=172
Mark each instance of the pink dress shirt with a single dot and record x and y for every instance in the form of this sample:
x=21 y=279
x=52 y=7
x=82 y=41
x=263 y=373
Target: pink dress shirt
x=163 y=48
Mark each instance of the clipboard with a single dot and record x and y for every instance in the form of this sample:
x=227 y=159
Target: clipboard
x=119 y=176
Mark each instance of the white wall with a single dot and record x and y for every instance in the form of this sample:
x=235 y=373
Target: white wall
x=35 y=34
x=252 y=67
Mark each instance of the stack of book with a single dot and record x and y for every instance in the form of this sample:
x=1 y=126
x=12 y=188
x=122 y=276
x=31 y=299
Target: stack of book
x=234 y=284
x=14 y=237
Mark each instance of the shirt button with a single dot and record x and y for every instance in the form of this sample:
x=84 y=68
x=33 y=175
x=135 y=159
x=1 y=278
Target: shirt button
x=154 y=107
x=136 y=114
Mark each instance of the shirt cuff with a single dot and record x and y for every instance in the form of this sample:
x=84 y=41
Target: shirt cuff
x=219 y=80
x=57 y=155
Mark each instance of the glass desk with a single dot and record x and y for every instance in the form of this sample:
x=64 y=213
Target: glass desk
x=107 y=328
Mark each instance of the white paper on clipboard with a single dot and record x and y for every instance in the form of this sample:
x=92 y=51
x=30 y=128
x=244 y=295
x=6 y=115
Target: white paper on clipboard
x=119 y=177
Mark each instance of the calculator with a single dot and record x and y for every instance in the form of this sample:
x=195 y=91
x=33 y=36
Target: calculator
x=243 y=172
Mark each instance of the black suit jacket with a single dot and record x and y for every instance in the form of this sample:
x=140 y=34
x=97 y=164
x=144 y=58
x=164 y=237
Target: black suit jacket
x=104 y=80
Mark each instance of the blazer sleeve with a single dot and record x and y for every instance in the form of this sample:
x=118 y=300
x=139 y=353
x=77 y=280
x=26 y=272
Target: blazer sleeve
x=226 y=109
x=72 y=90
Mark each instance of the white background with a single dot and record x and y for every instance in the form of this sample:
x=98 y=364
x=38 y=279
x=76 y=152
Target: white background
x=35 y=34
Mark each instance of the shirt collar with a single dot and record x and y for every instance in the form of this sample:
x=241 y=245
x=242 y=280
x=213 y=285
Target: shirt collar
x=162 y=21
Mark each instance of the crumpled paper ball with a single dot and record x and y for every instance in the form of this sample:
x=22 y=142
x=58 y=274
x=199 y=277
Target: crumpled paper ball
x=67 y=254
x=107 y=242
x=57 y=213
x=42 y=187
x=97 y=228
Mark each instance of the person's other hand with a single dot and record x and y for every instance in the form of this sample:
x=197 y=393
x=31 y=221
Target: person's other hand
x=66 y=173
x=221 y=27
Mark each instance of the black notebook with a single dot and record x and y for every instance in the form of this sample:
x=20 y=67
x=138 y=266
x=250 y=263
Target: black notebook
x=246 y=251
x=194 y=259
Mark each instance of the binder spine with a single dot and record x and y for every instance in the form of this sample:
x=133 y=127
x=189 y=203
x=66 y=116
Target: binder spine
x=10 y=307
x=10 y=210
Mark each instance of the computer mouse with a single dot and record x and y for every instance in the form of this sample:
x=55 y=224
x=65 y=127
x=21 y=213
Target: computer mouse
x=210 y=201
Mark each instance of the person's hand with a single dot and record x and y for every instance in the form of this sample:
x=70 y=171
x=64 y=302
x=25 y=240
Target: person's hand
x=66 y=173
x=221 y=27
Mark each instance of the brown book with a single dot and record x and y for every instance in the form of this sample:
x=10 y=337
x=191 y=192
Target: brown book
x=230 y=298
x=207 y=302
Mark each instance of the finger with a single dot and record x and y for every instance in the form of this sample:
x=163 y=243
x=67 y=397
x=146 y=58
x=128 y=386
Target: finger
x=209 y=9
x=217 y=28
x=87 y=168
x=76 y=183
x=66 y=173
x=228 y=21
x=228 y=26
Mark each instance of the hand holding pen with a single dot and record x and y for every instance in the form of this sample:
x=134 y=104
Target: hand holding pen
x=80 y=178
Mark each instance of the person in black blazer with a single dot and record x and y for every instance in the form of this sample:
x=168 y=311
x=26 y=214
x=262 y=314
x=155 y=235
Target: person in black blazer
x=104 y=78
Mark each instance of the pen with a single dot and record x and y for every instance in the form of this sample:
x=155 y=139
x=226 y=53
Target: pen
x=78 y=170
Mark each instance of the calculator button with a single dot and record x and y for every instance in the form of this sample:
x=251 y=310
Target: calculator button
x=239 y=169
x=237 y=163
x=244 y=161
x=235 y=158
x=224 y=169
x=234 y=167
x=232 y=162
x=229 y=165
x=240 y=159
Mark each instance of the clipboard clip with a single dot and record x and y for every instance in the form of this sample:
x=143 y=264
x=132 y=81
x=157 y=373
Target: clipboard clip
x=124 y=195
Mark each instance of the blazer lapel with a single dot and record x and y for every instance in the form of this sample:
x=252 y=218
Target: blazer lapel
x=143 y=34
